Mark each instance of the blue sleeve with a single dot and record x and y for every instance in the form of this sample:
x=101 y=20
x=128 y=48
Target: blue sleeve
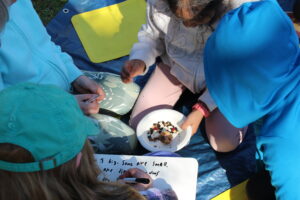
x=279 y=143
x=64 y=60
x=72 y=70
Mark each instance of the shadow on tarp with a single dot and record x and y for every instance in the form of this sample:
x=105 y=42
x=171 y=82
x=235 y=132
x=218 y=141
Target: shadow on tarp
x=217 y=172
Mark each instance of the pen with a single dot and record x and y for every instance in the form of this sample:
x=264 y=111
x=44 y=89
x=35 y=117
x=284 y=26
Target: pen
x=137 y=180
x=92 y=99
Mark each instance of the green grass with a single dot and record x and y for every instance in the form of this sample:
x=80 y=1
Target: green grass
x=47 y=9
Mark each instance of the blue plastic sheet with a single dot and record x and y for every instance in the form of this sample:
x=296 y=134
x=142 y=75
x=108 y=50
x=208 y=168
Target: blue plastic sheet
x=287 y=5
x=217 y=171
x=63 y=33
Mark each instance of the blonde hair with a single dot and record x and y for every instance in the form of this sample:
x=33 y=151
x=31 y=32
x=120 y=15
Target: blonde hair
x=3 y=14
x=65 y=182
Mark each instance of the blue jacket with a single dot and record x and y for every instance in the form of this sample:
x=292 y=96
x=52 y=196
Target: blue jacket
x=27 y=53
x=252 y=69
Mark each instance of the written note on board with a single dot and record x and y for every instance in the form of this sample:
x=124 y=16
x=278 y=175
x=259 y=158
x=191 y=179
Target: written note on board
x=177 y=173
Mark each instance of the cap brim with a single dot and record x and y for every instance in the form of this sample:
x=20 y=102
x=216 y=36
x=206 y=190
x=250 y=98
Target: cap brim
x=93 y=127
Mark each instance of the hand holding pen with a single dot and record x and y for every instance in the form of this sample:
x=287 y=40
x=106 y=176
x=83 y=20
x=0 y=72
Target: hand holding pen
x=88 y=103
x=92 y=99
x=137 y=178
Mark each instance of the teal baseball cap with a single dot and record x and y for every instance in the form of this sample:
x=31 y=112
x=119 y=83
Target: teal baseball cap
x=44 y=120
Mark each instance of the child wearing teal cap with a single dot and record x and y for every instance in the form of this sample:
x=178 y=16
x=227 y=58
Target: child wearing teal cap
x=27 y=54
x=45 y=154
x=252 y=68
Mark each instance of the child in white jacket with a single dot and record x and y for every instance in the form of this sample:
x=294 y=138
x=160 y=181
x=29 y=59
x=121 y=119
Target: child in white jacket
x=176 y=31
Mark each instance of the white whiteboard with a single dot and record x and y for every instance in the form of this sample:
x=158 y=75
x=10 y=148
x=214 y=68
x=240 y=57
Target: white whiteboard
x=177 y=173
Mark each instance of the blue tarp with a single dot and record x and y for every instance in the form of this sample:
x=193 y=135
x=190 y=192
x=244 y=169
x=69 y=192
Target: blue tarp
x=217 y=171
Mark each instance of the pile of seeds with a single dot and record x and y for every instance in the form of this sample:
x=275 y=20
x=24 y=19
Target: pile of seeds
x=162 y=131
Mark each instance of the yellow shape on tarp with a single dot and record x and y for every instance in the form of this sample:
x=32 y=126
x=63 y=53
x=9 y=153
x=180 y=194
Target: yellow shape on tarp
x=236 y=193
x=108 y=33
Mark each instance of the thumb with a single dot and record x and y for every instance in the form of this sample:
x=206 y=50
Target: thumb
x=184 y=125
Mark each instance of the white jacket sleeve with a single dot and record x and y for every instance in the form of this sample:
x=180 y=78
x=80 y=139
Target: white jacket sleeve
x=208 y=100
x=150 y=44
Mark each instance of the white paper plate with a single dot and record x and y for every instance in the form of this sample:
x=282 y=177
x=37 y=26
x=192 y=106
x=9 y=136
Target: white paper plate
x=176 y=118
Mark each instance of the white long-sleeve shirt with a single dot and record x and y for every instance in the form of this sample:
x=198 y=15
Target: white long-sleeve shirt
x=178 y=46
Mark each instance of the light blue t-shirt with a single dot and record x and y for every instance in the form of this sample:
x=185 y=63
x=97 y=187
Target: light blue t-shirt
x=27 y=53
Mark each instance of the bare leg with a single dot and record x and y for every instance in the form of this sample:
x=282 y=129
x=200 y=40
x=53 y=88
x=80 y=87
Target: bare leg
x=161 y=91
x=223 y=136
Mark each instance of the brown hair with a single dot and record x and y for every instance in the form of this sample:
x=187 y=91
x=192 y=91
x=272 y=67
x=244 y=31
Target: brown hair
x=3 y=14
x=65 y=182
x=212 y=5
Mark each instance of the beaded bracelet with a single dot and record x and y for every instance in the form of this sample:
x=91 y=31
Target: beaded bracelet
x=202 y=108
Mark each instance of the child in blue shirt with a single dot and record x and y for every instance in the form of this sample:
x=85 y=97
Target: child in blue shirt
x=252 y=71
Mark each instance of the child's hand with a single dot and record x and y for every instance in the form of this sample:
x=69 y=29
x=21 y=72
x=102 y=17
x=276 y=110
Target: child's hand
x=193 y=119
x=131 y=69
x=84 y=85
x=137 y=173
x=88 y=107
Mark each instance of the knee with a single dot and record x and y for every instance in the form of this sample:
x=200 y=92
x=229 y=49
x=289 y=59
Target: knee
x=223 y=146
x=225 y=140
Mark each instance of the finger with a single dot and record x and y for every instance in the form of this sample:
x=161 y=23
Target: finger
x=130 y=70
x=194 y=129
x=126 y=79
x=93 y=107
x=184 y=125
x=79 y=90
x=84 y=85
x=125 y=75
x=83 y=97
x=78 y=85
x=101 y=94
x=91 y=86
x=136 y=69
x=125 y=174
x=89 y=108
x=94 y=88
x=93 y=99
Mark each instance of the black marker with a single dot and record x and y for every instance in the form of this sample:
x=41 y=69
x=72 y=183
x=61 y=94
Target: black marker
x=136 y=180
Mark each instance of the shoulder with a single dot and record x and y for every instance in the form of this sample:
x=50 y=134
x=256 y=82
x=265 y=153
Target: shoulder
x=159 y=6
x=158 y=13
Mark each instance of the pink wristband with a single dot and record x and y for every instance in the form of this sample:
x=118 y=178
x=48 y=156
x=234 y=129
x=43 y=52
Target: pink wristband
x=202 y=108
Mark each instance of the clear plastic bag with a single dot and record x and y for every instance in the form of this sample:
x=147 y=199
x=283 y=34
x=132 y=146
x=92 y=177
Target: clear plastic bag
x=114 y=137
x=120 y=97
